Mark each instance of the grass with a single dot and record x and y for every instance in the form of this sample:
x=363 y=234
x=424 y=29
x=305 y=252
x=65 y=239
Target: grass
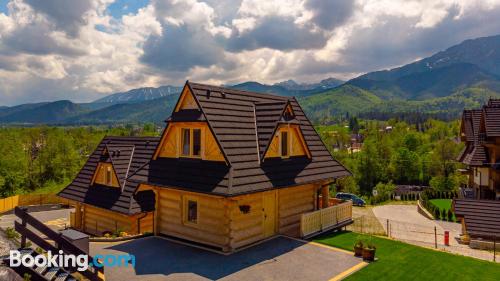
x=401 y=261
x=442 y=203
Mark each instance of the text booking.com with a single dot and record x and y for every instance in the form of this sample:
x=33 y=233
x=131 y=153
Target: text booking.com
x=80 y=262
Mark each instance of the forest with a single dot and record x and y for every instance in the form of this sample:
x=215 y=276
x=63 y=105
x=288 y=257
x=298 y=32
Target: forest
x=395 y=152
x=45 y=159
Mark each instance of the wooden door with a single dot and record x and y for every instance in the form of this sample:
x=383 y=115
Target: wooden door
x=269 y=213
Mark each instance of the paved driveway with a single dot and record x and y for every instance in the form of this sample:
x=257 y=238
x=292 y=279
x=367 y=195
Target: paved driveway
x=53 y=216
x=278 y=259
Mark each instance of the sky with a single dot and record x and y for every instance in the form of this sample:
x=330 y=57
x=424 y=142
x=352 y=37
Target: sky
x=83 y=50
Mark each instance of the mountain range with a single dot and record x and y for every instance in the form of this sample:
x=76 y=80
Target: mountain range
x=462 y=76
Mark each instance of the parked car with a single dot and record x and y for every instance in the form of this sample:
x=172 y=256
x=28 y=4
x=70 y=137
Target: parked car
x=348 y=196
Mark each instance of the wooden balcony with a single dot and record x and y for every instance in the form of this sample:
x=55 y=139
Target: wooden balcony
x=333 y=217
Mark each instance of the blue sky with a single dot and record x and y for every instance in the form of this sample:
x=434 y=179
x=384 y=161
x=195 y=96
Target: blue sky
x=82 y=50
x=122 y=7
x=3 y=6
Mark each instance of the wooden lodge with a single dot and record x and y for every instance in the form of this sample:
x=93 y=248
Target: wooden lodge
x=231 y=168
x=478 y=209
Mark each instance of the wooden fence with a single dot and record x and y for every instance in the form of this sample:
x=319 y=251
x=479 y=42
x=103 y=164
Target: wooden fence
x=9 y=203
x=325 y=219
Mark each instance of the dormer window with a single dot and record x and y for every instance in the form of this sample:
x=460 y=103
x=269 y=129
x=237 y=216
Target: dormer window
x=191 y=142
x=109 y=174
x=285 y=144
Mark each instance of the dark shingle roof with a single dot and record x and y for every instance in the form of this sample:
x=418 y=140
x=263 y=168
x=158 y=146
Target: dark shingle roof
x=121 y=157
x=492 y=121
x=232 y=115
x=116 y=199
x=242 y=123
x=267 y=114
x=478 y=156
x=481 y=216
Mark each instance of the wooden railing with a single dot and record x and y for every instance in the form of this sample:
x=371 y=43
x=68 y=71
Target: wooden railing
x=29 y=223
x=325 y=219
x=9 y=203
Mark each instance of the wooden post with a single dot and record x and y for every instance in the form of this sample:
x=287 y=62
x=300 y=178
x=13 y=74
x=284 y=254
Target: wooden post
x=494 y=248
x=325 y=194
x=435 y=238
x=388 y=233
x=23 y=236
x=78 y=216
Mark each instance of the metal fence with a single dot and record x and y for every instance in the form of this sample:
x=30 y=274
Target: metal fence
x=427 y=235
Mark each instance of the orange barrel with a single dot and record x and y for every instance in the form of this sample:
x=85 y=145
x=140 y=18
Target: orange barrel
x=447 y=238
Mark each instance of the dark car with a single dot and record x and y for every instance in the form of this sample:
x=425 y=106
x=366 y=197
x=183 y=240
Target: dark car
x=348 y=196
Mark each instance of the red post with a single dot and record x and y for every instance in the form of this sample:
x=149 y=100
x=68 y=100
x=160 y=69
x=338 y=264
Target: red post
x=447 y=238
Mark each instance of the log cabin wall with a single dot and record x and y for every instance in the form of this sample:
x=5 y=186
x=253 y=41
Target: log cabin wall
x=292 y=202
x=246 y=213
x=96 y=221
x=212 y=227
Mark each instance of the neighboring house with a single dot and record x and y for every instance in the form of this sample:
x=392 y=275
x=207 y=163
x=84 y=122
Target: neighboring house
x=230 y=169
x=480 y=131
x=356 y=142
x=479 y=208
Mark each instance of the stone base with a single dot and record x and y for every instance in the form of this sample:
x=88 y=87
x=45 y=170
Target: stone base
x=483 y=244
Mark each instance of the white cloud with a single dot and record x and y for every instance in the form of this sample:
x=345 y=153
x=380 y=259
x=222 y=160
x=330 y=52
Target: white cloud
x=54 y=50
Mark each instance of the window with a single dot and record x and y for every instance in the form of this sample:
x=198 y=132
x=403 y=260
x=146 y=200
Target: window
x=284 y=144
x=186 y=139
x=192 y=211
x=108 y=176
x=196 y=142
x=191 y=142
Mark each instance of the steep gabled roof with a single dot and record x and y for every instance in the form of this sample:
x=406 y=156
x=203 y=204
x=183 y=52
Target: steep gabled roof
x=491 y=119
x=481 y=216
x=267 y=115
x=112 y=198
x=120 y=157
x=477 y=157
x=233 y=119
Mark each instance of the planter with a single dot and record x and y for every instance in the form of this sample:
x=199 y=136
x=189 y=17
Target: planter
x=368 y=254
x=358 y=251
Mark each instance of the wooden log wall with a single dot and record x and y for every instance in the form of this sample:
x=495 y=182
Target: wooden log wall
x=212 y=227
x=246 y=228
x=292 y=202
x=96 y=221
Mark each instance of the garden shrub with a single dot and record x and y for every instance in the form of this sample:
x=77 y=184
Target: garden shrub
x=450 y=215
x=437 y=213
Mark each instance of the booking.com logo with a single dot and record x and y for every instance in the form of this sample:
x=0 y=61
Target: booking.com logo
x=80 y=262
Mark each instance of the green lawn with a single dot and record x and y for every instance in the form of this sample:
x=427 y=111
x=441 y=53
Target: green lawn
x=401 y=261
x=442 y=203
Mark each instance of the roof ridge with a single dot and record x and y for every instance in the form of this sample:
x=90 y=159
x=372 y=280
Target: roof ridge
x=209 y=123
x=237 y=90
x=128 y=167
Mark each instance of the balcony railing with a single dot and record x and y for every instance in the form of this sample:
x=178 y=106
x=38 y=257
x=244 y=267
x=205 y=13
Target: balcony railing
x=325 y=219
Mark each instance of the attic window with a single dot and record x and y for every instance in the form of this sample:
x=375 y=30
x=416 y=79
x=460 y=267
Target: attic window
x=285 y=147
x=191 y=142
x=108 y=176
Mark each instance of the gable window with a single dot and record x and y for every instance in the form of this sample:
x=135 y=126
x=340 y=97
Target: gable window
x=191 y=210
x=108 y=176
x=191 y=142
x=284 y=144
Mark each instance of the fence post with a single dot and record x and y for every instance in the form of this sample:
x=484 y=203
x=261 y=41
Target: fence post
x=435 y=238
x=388 y=233
x=494 y=248
x=23 y=236
x=362 y=224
